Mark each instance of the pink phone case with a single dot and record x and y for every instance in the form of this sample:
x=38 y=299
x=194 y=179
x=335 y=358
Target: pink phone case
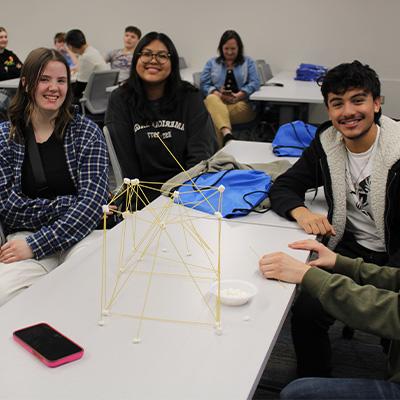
x=44 y=360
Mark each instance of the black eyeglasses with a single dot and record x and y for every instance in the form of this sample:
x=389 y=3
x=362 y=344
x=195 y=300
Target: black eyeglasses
x=161 y=57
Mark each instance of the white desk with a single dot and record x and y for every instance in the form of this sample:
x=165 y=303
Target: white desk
x=9 y=84
x=293 y=93
x=172 y=361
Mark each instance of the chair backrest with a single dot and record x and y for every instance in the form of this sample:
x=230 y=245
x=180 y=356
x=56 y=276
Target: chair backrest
x=95 y=97
x=182 y=63
x=113 y=159
x=264 y=71
x=196 y=79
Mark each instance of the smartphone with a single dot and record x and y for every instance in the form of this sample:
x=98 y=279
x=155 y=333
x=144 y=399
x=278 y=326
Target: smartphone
x=48 y=345
x=227 y=92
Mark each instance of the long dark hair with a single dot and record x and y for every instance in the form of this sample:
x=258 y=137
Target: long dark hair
x=227 y=35
x=134 y=89
x=23 y=103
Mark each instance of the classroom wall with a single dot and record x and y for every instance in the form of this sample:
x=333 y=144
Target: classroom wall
x=284 y=32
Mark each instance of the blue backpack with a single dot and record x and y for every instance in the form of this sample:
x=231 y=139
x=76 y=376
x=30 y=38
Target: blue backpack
x=292 y=138
x=310 y=72
x=244 y=190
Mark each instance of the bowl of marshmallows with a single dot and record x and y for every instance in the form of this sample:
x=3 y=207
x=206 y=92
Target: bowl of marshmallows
x=234 y=292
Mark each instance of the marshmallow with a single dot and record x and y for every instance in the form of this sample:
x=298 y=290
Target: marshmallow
x=135 y=182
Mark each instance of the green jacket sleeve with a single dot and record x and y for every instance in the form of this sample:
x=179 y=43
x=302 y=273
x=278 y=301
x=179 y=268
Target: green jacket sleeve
x=365 y=299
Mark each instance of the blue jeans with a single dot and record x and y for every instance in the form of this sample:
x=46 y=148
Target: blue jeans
x=340 y=389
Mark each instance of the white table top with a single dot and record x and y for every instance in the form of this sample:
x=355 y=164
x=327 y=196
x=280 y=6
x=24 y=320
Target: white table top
x=292 y=91
x=173 y=361
x=9 y=84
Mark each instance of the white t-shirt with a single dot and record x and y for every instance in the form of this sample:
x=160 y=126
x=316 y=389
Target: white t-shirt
x=360 y=220
x=90 y=61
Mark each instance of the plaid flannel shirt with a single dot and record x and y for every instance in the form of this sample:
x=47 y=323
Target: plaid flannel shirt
x=63 y=221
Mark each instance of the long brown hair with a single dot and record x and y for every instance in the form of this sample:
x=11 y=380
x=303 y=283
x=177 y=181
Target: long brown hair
x=23 y=103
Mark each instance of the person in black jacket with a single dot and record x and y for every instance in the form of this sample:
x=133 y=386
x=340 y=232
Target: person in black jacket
x=355 y=157
x=10 y=64
x=157 y=122
x=10 y=68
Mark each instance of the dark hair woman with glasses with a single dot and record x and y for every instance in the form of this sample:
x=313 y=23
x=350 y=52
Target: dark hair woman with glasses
x=155 y=110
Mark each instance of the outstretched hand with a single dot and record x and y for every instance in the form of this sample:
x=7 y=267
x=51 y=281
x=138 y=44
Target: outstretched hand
x=282 y=267
x=326 y=258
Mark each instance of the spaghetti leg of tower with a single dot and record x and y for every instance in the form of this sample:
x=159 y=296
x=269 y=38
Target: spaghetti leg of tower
x=103 y=267
x=156 y=228
x=182 y=222
x=184 y=170
x=218 y=303
x=120 y=264
x=149 y=282
x=190 y=273
x=117 y=290
x=198 y=238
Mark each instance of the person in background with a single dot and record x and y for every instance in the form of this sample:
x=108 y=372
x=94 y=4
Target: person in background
x=227 y=81
x=59 y=44
x=10 y=68
x=121 y=59
x=53 y=175
x=356 y=158
x=10 y=64
x=363 y=296
x=155 y=110
x=89 y=58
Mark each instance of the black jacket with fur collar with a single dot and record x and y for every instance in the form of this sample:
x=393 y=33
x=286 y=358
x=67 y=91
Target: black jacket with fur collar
x=323 y=164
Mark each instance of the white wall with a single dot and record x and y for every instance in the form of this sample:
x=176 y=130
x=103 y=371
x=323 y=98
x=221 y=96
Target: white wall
x=284 y=32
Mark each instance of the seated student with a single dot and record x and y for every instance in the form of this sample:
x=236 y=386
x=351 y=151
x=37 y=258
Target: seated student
x=59 y=44
x=90 y=60
x=122 y=58
x=153 y=104
x=228 y=80
x=10 y=64
x=53 y=175
x=356 y=157
x=364 y=296
x=10 y=68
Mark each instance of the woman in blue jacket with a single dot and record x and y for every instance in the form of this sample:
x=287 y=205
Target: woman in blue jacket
x=228 y=80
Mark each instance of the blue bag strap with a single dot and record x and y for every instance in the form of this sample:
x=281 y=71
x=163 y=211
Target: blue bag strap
x=252 y=206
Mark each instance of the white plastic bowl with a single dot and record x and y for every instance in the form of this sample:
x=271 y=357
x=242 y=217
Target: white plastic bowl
x=234 y=292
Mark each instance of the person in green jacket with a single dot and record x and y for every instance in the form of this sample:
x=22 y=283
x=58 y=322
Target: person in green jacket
x=363 y=296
